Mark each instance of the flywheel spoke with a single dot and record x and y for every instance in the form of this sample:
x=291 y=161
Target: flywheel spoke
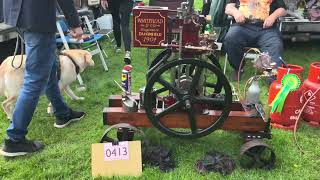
x=169 y=86
x=192 y=121
x=166 y=111
x=161 y=90
x=195 y=80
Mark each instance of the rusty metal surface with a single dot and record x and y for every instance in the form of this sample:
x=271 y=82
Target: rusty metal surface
x=253 y=155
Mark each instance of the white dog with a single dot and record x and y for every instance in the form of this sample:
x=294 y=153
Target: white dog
x=11 y=77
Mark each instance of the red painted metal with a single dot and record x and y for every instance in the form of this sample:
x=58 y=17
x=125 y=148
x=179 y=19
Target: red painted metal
x=190 y=33
x=311 y=112
x=286 y=119
x=149 y=26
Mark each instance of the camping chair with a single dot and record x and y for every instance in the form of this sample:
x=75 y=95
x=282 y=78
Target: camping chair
x=103 y=25
x=92 y=44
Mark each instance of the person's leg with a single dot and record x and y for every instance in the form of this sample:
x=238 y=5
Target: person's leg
x=64 y=115
x=235 y=41
x=125 y=12
x=270 y=41
x=54 y=95
x=114 y=6
x=39 y=49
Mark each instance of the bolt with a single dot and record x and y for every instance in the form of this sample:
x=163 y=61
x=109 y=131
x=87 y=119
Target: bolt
x=188 y=104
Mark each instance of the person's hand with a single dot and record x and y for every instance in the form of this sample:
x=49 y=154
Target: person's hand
x=104 y=4
x=269 y=22
x=76 y=33
x=239 y=17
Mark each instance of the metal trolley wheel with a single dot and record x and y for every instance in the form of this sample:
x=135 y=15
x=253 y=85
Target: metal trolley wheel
x=257 y=154
x=188 y=96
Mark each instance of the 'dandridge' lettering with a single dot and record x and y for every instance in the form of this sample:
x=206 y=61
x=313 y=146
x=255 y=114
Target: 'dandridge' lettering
x=150 y=34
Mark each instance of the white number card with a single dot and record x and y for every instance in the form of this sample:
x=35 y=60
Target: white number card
x=116 y=152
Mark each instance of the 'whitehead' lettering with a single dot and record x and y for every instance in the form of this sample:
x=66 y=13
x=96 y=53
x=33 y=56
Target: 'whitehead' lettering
x=151 y=21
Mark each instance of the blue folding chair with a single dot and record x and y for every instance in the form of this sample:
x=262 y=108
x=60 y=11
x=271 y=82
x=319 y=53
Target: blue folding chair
x=91 y=44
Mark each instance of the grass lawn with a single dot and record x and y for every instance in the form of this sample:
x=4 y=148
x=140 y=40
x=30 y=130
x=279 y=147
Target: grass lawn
x=68 y=151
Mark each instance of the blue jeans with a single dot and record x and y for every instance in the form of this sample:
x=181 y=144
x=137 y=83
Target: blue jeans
x=39 y=76
x=241 y=36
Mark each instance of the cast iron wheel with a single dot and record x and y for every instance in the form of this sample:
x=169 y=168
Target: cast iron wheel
x=159 y=60
x=257 y=154
x=187 y=96
x=163 y=55
x=217 y=86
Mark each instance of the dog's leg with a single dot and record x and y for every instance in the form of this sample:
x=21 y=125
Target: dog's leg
x=4 y=107
x=70 y=93
x=50 y=109
x=7 y=106
x=63 y=89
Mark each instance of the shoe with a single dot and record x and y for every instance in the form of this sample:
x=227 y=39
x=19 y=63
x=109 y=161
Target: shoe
x=234 y=75
x=62 y=122
x=127 y=57
x=20 y=148
x=117 y=49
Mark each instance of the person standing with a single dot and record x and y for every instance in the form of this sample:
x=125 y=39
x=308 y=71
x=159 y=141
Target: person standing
x=36 y=23
x=121 y=12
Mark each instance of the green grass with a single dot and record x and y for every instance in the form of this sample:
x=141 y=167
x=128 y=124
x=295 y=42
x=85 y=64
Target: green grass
x=68 y=151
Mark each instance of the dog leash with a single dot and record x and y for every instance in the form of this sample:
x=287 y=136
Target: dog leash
x=72 y=60
x=19 y=37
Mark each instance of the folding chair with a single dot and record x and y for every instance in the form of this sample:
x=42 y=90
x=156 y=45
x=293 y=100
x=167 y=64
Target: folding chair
x=85 y=44
x=103 y=25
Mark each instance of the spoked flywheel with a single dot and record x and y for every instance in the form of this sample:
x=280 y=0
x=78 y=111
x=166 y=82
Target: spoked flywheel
x=177 y=100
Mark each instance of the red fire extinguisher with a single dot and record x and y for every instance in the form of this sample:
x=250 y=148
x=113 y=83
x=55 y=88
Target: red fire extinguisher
x=311 y=112
x=293 y=103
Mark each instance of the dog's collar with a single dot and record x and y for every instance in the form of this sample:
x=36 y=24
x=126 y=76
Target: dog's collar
x=72 y=60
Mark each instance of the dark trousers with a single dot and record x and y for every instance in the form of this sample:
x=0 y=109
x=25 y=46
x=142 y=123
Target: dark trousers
x=121 y=12
x=241 y=36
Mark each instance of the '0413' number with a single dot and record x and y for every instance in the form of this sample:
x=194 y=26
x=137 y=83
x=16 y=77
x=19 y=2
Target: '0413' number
x=116 y=152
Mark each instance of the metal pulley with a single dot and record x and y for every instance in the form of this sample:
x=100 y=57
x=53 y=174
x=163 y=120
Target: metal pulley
x=257 y=154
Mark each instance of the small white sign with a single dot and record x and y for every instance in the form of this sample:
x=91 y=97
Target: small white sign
x=116 y=152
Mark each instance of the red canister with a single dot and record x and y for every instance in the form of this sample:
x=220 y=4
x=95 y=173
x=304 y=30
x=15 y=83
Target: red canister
x=311 y=112
x=293 y=103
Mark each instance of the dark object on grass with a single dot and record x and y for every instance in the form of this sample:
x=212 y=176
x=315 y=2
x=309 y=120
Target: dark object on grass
x=158 y=156
x=216 y=162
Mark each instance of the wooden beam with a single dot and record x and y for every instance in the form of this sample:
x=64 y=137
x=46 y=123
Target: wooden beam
x=115 y=101
x=237 y=120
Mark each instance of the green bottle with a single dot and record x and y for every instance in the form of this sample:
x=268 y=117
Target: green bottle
x=208 y=29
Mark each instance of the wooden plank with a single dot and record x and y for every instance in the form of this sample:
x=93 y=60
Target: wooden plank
x=115 y=101
x=237 y=120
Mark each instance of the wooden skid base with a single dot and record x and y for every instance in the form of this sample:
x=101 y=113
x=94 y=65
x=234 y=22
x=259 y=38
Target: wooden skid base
x=238 y=120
